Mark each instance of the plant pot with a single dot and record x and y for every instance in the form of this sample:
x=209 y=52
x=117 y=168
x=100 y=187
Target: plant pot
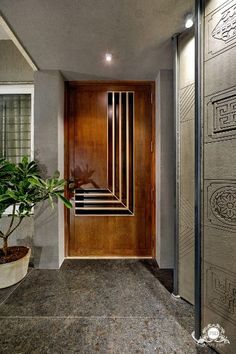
x=12 y=272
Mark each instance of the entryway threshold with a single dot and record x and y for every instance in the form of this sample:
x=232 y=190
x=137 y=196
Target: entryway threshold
x=108 y=257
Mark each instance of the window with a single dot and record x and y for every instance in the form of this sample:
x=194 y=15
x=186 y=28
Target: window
x=16 y=121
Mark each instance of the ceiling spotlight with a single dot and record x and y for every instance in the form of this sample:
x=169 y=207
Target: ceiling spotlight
x=189 y=21
x=108 y=57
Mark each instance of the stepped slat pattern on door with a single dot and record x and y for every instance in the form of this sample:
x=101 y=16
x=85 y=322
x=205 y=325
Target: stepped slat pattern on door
x=118 y=198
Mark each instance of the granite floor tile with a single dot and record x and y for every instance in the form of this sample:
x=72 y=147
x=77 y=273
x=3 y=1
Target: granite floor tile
x=179 y=307
x=97 y=335
x=87 y=307
x=5 y=293
x=105 y=292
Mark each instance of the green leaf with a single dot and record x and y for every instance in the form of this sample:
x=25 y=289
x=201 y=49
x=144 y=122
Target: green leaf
x=65 y=201
x=12 y=194
x=25 y=160
x=4 y=197
x=36 y=181
x=51 y=201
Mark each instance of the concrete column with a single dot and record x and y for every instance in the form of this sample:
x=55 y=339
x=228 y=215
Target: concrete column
x=165 y=208
x=49 y=151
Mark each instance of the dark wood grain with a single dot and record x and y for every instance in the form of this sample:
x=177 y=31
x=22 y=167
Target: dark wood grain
x=86 y=161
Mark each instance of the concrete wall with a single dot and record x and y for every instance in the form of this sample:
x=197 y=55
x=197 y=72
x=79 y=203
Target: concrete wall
x=13 y=66
x=165 y=184
x=43 y=232
x=49 y=151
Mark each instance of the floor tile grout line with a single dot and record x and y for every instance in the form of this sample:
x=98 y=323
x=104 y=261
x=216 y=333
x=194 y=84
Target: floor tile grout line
x=88 y=318
x=20 y=282
x=79 y=317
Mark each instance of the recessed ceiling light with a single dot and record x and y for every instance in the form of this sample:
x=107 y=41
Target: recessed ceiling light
x=108 y=57
x=189 y=21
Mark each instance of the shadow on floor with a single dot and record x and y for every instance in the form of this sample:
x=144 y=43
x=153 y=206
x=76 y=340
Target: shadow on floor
x=165 y=276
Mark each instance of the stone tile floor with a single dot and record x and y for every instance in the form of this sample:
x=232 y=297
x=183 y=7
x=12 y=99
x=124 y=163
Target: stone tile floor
x=95 y=306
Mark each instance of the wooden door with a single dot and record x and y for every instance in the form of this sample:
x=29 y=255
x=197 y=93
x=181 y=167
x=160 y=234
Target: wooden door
x=110 y=160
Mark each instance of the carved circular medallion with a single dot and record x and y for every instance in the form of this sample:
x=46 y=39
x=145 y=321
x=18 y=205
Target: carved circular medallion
x=223 y=204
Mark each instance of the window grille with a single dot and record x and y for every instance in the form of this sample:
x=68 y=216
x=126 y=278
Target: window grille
x=15 y=126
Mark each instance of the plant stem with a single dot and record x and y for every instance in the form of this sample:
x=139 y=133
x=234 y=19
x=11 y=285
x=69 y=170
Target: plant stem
x=12 y=219
x=12 y=230
x=5 y=246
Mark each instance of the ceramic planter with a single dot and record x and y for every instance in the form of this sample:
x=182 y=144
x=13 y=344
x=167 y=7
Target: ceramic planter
x=11 y=273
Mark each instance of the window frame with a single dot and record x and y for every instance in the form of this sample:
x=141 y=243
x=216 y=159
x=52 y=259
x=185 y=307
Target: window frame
x=8 y=89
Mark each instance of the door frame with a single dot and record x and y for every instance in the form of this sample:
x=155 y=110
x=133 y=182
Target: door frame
x=151 y=84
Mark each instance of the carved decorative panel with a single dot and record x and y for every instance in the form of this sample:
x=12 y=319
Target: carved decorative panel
x=221 y=204
x=225 y=29
x=220 y=293
x=224 y=114
x=219 y=168
x=221 y=27
x=221 y=116
x=118 y=198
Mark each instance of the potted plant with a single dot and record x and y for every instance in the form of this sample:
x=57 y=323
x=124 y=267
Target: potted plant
x=21 y=188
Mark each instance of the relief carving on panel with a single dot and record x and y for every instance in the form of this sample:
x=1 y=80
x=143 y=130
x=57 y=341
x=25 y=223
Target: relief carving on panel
x=220 y=295
x=224 y=114
x=186 y=103
x=225 y=29
x=221 y=204
x=186 y=232
x=221 y=116
x=221 y=29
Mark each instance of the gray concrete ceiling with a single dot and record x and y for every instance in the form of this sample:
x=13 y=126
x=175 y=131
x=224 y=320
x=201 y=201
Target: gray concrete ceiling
x=73 y=35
